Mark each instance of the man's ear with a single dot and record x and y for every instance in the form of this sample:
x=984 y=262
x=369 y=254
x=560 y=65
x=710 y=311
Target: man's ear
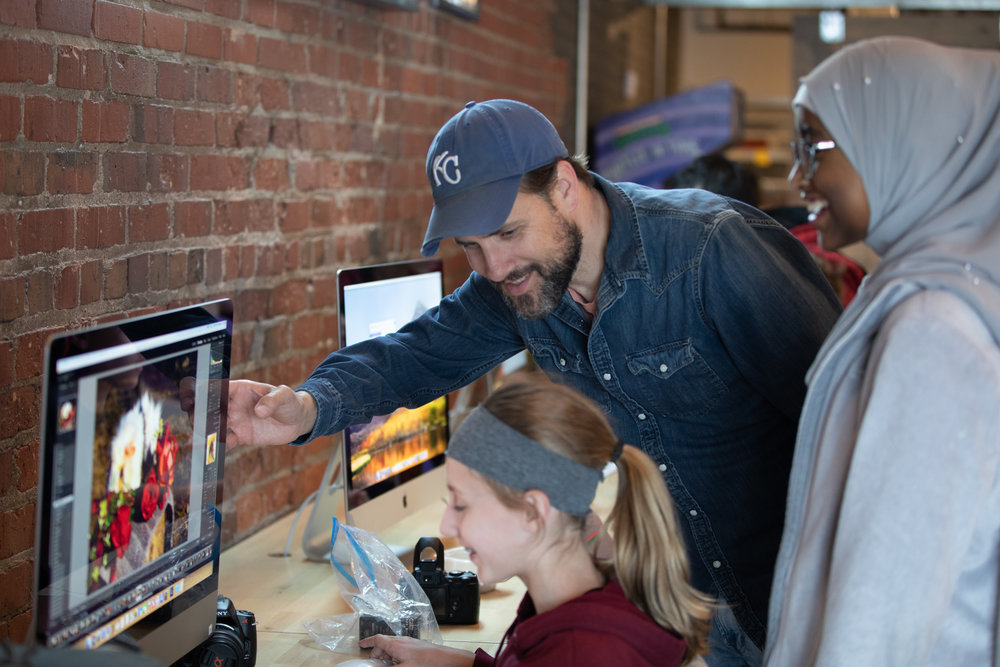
x=565 y=190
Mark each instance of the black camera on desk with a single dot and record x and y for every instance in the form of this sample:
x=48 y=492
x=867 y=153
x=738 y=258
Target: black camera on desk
x=454 y=595
x=233 y=644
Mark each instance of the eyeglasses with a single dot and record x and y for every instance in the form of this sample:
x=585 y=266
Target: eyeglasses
x=804 y=155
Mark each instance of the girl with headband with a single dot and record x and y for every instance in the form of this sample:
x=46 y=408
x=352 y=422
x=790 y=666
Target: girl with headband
x=522 y=471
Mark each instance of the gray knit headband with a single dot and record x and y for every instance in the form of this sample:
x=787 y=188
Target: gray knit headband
x=495 y=450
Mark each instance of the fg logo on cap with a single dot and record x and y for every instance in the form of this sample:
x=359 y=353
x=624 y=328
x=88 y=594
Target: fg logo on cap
x=446 y=166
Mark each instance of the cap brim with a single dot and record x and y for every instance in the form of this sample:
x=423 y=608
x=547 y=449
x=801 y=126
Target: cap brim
x=474 y=212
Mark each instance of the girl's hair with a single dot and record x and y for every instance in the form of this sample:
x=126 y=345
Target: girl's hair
x=649 y=560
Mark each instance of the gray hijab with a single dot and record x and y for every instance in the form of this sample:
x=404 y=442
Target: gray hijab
x=920 y=123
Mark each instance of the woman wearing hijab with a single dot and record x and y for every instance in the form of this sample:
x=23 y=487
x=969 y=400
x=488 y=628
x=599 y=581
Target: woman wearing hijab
x=890 y=550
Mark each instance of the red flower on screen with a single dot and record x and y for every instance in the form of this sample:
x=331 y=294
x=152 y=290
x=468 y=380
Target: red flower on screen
x=121 y=529
x=151 y=493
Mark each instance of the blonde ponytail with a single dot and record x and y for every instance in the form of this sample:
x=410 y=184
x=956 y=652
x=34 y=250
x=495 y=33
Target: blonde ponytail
x=650 y=560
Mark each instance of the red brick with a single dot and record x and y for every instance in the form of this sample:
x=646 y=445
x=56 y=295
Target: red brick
x=163 y=31
x=138 y=274
x=177 y=269
x=169 y=173
x=281 y=55
x=125 y=172
x=261 y=12
x=231 y=217
x=253 y=131
x=104 y=122
x=175 y=81
x=204 y=40
x=194 y=128
x=20 y=13
x=271 y=174
x=10 y=117
x=12 y=298
x=158 y=271
x=26 y=460
x=91 y=274
x=72 y=16
x=215 y=85
x=6 y=368
x=196 y=267
x=297 y=18
x=40 y=291
x=191 y=4
x=15 y=587
x=324 y=62
x=117 y=23
x=71 y=172
x=50 y=119
x=273 y=94
x=228 y=8
x=23 y=61
x=219 y=172
x=316 y=174
x=100 y=226
x=153 y=124
x=148 y=223
x=132 y=75
x=213 y=267
x=7 y=236
x=19 y=405
x=226 y=125
x=46 y=231
x=116 y=280
x=239 y=46
x=193 y=218
x=67 y=288
x=17 y=530
x=80 y=68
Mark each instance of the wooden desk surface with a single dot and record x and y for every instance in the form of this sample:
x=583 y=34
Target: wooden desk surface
x=285 y=592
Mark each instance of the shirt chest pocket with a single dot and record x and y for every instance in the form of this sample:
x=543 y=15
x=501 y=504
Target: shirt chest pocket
x=674 y=380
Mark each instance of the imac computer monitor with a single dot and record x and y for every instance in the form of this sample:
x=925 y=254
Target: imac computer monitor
x=130 y=479
x=394 y=464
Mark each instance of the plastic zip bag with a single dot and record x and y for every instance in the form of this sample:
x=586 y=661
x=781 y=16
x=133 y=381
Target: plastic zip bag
x=385 y=597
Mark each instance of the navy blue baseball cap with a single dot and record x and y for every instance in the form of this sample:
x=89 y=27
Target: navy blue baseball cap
x=476 y=162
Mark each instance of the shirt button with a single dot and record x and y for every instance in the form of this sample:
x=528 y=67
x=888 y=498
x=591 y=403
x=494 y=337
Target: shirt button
x=693 y=512
x=562 y=362
x=663 y=368
x=607 y=377
x=663 y=467
x=641 y=416
x=716 y=564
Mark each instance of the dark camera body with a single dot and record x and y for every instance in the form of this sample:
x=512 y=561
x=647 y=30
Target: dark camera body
x=369 y=625
x=233 y=644
x=454 y=595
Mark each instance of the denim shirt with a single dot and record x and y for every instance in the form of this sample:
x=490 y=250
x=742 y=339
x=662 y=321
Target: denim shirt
x=708 y=315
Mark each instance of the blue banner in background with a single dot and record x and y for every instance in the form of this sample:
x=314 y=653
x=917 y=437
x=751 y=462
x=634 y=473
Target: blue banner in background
x=650 y=143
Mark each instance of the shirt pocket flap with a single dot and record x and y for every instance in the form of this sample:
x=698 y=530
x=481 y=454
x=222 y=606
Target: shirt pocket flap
x=663 y=361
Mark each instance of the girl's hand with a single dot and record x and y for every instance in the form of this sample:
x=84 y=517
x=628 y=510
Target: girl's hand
x=410 y=652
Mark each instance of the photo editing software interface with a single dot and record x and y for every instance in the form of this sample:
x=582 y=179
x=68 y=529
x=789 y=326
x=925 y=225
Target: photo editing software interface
x=392 y=449
x=130 y=478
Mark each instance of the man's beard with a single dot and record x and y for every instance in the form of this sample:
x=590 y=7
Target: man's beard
x=555 y=276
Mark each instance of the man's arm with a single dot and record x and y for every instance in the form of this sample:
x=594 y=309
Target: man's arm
x=770 y=304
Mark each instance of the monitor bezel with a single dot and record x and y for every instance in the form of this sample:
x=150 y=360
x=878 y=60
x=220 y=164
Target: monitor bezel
x=193 y=611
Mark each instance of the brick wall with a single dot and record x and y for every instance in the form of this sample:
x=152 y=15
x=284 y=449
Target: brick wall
x=160 y=152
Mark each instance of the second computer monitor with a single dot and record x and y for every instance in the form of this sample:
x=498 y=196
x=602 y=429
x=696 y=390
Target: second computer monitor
x=395 y=463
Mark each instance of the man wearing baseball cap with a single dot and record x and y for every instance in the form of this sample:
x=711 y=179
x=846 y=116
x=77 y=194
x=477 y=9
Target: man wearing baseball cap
x=690 y=318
